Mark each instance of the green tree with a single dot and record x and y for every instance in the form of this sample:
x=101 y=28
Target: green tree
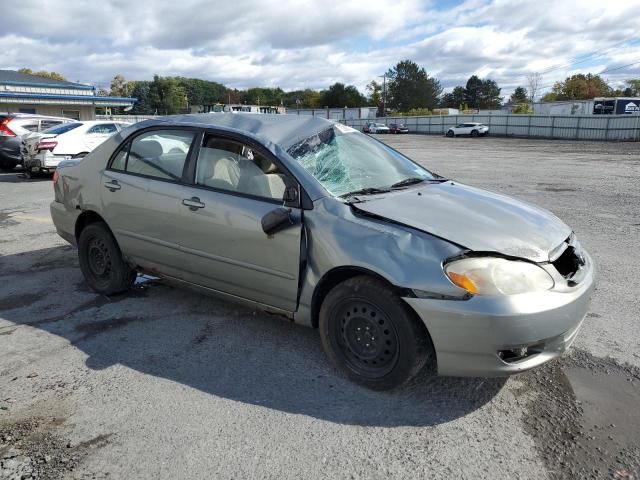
x=311 y=99
x=455 y=99
x=119 y=86
x=579 y=87
x=202 y=92
x=374 y=91
x=482 y=93
x=140 y=91
x=167 y=96
x=490 y=95
x=472 y=91
x=409 y=87
x=262 y=96
x=338 y=95
x=524 y=108
x=519 y=96
x=44 y=73
x=633 y=87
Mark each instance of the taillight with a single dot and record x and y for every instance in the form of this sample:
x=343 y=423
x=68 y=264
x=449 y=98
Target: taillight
x=5 y=131
x=46 y=144
x=55 y=177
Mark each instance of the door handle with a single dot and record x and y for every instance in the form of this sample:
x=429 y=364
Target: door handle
x=193 y=203
x=112 y=185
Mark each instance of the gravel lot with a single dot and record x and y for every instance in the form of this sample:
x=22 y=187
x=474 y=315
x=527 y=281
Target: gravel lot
x=165 y=383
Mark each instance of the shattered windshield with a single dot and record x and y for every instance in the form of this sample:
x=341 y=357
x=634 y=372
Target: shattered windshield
x=344 y=160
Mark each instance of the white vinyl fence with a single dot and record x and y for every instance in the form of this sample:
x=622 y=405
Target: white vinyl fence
x=587 y=127
x=584 y=127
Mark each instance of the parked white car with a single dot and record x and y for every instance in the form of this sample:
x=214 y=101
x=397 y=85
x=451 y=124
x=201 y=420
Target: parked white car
x=42 y=152
x=375 y=128
x=473 y=129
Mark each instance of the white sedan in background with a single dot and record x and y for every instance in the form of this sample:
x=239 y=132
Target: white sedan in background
x=42 y=152
x=375 y=128
x=473 y=129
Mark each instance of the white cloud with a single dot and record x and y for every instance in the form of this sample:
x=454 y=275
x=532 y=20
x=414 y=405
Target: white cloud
x=305 y=43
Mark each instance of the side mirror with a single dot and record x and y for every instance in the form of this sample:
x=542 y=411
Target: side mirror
x=277 y=220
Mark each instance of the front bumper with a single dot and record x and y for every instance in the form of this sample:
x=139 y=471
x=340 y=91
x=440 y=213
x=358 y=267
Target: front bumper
x=469 y=335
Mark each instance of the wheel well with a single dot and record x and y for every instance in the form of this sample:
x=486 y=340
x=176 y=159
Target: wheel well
x=86 y=218
x=333 y=278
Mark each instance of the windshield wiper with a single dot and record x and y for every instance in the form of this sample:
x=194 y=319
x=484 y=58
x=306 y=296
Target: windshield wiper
x=366 y=191
x=414 y=180
x=407 y=181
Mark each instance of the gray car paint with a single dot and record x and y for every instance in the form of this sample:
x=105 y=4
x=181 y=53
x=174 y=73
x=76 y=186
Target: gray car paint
x=402 y=241
x=480 y=220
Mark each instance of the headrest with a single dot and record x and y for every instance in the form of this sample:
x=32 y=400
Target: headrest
x=149 y=149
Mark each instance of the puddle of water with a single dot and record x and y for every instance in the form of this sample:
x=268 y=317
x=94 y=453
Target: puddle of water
x=610 y=405
x=585 y=418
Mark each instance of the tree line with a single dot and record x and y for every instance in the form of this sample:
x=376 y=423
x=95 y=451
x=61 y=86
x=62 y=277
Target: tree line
x=406 y=88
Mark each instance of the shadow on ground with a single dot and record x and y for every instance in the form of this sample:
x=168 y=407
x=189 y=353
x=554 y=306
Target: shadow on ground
x=18 y=176
x=214 y=346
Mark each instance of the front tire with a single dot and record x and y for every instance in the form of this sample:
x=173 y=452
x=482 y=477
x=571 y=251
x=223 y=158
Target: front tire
x=474 y=133
x=450 y=133
x=372 y=335
x=101 y=261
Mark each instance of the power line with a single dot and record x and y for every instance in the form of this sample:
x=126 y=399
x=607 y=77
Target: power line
x=587 y=57
x=599 y=73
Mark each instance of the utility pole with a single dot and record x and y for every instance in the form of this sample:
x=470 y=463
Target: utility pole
x=384 y=94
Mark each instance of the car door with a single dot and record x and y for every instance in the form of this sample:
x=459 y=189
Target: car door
x=235 y=184
x=97 y=134
x=142 y=190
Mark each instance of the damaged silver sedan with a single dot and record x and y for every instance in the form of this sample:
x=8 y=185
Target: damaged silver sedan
x=396 y=266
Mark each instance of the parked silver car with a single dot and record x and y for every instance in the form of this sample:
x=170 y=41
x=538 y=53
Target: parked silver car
x=395 y=265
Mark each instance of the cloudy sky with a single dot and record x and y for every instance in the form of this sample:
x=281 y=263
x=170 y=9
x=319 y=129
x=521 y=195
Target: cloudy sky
x=313 y=43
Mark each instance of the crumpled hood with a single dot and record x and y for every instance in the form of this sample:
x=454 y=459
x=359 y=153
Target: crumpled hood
x=473 y=218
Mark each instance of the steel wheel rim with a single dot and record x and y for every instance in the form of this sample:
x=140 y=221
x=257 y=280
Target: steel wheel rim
x=99 y=259
x=366 y=338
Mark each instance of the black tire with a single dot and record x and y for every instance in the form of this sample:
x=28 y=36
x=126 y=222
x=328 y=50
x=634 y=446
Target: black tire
x=474 y=133
x=372 y=335
x=450 y=133
x=101 y=261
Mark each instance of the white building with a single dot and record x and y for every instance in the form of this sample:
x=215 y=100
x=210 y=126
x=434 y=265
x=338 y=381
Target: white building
x=24 y=93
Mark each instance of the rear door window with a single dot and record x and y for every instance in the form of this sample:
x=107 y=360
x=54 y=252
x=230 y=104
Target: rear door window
x=46 y=124
x=63 y=128
x=160 y=154
x=103 y=129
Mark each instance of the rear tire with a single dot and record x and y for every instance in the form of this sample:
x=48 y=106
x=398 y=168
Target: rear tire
x=368 y=332
x=450 y=134
x=101 y=261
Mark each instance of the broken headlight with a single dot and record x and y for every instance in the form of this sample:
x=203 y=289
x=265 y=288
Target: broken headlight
x=497 y=276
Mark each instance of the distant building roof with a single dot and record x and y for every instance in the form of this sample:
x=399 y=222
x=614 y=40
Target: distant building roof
x=12 y=77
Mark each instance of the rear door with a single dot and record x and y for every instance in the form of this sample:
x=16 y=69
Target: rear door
x=142 y=190
x=235 y=184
